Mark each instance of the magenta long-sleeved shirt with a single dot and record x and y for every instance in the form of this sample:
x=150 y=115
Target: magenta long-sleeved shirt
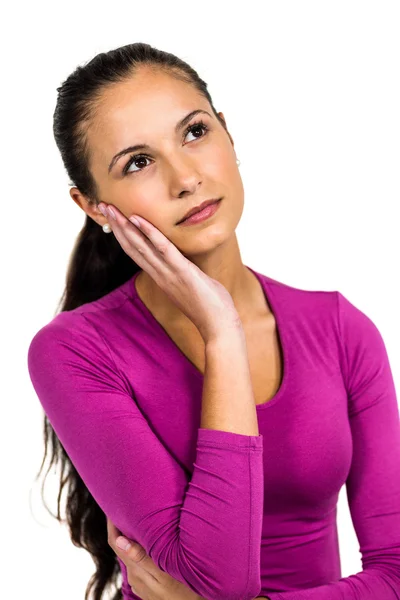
x=233 y=516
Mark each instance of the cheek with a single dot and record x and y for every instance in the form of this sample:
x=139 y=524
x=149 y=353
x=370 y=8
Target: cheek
x=144 y=203
x=220 y=165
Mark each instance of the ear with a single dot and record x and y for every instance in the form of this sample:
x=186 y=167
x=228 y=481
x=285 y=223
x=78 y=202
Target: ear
x=87 y=206
x=221 y=115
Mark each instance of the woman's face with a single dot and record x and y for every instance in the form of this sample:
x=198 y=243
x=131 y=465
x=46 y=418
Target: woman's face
x=180 y=168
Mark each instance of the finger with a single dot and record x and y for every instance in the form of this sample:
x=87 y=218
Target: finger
x=116 y=540
x=139 y=248
x=138 y=555
x=165 y=248
x=129 y=550
x=143 y=575
x=123 y=230
x=142 y=583
x=137 y=574
x=161 y=243
x=151 y=232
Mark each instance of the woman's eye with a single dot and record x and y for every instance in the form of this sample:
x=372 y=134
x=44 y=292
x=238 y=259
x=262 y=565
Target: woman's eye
x=135 y=159
x=198 y=126
x=142 y=157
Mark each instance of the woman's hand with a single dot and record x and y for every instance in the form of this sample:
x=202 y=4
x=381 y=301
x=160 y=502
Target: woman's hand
x=205 y=301
x=146 y=580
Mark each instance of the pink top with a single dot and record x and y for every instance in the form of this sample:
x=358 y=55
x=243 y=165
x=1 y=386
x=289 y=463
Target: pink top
x=233 y=516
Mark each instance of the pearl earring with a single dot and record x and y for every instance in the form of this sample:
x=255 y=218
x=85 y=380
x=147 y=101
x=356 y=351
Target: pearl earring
x=238 y=162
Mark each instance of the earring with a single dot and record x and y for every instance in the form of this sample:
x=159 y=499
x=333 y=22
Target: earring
x=107 y=228
x=238 y=162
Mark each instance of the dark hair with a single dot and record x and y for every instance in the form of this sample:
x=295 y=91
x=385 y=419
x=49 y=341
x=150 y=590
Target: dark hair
x=97 y=265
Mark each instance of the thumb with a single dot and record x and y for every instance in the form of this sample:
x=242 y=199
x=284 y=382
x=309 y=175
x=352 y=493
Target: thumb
x=136 y=553
x=134 y=550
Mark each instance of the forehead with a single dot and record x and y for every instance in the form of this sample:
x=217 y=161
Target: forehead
x=144 y=109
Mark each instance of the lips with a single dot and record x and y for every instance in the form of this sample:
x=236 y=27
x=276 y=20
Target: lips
x=198 y=208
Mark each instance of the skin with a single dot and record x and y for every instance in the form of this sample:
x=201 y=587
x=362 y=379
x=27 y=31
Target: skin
x=179 y=174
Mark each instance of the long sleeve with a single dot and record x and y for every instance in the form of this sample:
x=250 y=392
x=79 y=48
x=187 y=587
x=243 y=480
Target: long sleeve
x=373 y=483
x=193 y=528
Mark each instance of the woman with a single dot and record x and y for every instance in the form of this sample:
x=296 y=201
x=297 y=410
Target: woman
x=206 y=412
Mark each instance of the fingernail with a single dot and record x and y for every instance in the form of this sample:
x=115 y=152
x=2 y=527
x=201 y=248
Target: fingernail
x=102 y=209
x=123 y=543
x=135 y=221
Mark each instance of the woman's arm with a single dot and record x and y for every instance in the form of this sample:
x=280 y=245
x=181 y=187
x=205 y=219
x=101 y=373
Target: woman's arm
x=228 y=402
x=144 y=577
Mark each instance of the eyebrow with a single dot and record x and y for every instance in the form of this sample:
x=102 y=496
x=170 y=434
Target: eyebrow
x=178 y=127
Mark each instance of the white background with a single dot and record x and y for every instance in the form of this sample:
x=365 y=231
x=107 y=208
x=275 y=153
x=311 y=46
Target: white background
x=311 y=95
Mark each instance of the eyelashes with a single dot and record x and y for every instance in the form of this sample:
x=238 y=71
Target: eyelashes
x=135 y=157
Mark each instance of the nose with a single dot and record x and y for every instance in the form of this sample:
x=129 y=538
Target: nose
x=185 y=176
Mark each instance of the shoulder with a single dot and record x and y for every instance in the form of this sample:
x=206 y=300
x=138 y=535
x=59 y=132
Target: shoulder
x=352 y=327
x=83 y=326
x=69 y=354
x=300 y=302
x=68 y=327
x=64 y=347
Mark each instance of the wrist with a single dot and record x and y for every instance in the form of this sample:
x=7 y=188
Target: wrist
x=227 y=337
x=225 y=329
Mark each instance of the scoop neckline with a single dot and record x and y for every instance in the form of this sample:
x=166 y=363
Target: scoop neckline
x=281 y=333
